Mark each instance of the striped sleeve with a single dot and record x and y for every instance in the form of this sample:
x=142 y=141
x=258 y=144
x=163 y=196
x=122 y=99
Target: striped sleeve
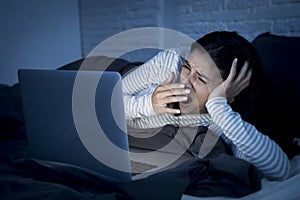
x=139 y=85
x=248 y=143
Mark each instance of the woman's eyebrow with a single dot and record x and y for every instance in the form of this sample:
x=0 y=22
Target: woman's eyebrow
x=198 y=73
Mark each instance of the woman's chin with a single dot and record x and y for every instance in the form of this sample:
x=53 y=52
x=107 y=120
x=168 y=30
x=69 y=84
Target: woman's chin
x=186 y=108
x=189 y=108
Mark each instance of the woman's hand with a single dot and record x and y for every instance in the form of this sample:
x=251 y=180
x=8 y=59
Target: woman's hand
x=232 y=86
x=168 y=92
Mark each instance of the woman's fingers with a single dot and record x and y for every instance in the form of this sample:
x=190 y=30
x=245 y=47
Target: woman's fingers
x=170 y=110
x=234 y=84
x=169 y=92
x=232 y=71
x=172 y=86
x=242 y=76
x=243 y=80
x=246 y=81
x=165 y=96
x=173 y=92
x=160 y=105
x=172 y=99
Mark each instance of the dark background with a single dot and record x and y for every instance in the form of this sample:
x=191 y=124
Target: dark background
x=49 y=34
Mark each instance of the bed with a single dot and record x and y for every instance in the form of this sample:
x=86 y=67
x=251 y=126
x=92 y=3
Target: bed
x=288 y=189
x=22 y=177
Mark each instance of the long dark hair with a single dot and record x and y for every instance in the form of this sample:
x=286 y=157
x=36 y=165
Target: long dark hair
x=223 y=47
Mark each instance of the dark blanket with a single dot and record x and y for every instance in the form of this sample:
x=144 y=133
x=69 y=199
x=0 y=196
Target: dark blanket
x=25 y=178
x=22 y=177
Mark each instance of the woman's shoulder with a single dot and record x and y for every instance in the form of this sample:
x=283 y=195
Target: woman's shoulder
x=166 y=55
x=172 y=57
x=172 y=53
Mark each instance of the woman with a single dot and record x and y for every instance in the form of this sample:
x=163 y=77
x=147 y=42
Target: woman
x=222 y=72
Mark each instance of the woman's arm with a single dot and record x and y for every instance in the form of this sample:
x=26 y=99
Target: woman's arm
x=139 y=85
x=249 y=143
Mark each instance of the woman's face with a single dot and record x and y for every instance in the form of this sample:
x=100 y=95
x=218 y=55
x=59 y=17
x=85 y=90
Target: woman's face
x=201 y=76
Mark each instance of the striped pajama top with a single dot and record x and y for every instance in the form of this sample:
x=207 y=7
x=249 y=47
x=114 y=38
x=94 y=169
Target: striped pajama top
x=246 y=141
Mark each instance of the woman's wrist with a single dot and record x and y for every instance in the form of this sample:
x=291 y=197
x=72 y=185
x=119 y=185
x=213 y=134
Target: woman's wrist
x=211 y=101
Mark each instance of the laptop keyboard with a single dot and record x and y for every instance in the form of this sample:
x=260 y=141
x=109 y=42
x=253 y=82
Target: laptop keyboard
x=139 y=167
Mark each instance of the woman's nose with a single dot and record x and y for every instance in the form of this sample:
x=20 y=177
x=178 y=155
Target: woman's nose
x=187 y=80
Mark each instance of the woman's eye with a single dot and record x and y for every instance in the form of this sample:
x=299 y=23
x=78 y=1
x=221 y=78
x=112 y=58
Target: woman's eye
x=187 y=67
x=201 y=80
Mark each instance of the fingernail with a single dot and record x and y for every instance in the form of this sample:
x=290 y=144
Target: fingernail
x=187 y=91
x=177 y=111
x=182 y=85
x=235 y=60
x=184 y=98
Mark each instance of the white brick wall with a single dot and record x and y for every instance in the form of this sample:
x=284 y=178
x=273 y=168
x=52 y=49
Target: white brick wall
x=102 y=19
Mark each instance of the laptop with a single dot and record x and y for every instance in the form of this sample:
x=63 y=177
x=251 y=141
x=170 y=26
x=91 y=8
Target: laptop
x=78 y=118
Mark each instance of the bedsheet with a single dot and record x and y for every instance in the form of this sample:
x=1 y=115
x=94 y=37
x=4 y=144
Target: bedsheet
x=275 y=190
